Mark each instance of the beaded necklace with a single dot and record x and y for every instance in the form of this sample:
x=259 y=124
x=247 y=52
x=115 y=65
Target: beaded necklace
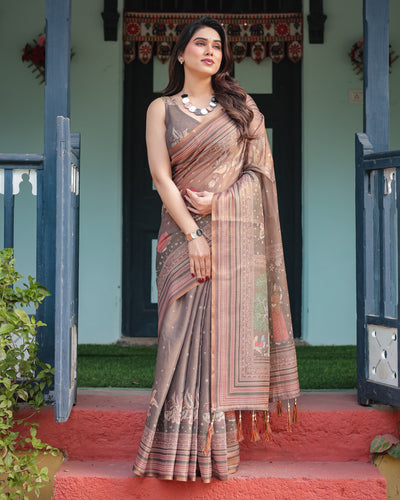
x=199 y=111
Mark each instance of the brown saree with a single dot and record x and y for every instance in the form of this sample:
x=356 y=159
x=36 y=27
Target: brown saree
x=225 y=344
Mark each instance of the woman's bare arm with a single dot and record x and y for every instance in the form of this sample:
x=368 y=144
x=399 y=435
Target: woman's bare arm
x=160 y=168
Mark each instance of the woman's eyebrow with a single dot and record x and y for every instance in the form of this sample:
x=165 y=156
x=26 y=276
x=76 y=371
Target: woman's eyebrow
x=206 y=39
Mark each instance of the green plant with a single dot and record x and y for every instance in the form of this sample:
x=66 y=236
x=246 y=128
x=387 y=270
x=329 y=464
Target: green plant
x=386 y=443
x=23 y=378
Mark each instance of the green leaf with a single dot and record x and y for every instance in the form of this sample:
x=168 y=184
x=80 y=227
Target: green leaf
x=22 y=315
x=383 y=443
x=395 y=451
x=6 y=328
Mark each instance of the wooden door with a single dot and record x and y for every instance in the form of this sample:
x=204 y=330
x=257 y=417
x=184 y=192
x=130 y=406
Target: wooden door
x=142 y=206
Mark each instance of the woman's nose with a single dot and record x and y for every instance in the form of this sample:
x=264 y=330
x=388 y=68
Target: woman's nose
x=209 y=48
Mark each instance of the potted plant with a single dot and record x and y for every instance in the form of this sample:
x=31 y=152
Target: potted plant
x=23 y=380
x=386 y=456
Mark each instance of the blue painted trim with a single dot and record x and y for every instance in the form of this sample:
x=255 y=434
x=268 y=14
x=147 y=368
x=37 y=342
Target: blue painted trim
x=57 y=103
x=381 y=245
x=361 y=145
x=385 y=394
x=382 y=155
x=8 y=210
x=381 y=163
x=382 y=321
x=21 y=161
x=66 y=323
x=376 y=73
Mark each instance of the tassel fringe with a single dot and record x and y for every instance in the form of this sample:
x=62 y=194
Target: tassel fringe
x=239 y=431
x=255 y=436
x=210 y=432
x=295 y=412
x=267 y=427
x=289 y=418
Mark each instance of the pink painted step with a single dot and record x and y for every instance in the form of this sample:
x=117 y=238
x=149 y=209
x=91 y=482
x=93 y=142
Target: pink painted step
x=108 y=423
x=254 y=480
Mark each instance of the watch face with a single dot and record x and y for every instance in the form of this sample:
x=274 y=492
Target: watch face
x=199 y=232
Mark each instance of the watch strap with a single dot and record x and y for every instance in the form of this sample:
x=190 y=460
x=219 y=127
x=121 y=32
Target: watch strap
x=194 y=234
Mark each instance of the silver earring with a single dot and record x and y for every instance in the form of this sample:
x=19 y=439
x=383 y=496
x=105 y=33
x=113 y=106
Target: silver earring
x=181 y=61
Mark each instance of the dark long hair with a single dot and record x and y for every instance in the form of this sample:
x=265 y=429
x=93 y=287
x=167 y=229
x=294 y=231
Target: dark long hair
x=227 y=91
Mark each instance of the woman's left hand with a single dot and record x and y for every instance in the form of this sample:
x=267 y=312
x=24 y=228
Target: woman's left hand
x=200 y=202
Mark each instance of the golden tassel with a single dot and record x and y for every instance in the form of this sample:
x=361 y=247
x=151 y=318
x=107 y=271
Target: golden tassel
x=239 y=430
x=295 y=413
x=289 y=418
x=279 y=411
x=210 y=432
x=267 y=427
x=255 y=436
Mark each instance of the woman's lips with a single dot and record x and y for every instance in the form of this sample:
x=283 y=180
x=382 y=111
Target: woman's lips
x=207 y=61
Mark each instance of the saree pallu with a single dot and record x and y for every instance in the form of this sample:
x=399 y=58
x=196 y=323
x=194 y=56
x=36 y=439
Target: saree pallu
x=225 y=344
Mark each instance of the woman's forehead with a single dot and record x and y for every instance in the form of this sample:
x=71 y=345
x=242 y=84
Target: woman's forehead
x=207 y=33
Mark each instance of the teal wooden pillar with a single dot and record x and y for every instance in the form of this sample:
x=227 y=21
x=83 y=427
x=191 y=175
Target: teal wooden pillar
x=57 y=102
x=376 y=73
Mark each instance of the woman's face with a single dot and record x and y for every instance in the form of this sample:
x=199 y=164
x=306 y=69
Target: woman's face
x=203 y=53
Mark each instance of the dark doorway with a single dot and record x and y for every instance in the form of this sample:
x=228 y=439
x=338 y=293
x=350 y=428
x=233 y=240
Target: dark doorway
x=141 y=204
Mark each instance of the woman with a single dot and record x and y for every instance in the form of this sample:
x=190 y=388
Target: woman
x=225 y=334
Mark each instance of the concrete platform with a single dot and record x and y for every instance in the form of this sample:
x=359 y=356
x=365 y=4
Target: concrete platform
x=111 y=480
x=108 y=424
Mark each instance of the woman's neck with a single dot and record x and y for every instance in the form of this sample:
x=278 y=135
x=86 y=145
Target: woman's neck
x=198 y=88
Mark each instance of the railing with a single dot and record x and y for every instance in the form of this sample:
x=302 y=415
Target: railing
x=12 y=168
x=378 y=257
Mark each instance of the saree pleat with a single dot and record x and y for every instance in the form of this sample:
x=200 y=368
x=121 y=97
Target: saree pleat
x=225 y=344
x=177 y=421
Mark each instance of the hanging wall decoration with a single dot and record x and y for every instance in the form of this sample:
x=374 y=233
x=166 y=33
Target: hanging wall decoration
x=35 y=55
x=356 y=55
x=256 y=35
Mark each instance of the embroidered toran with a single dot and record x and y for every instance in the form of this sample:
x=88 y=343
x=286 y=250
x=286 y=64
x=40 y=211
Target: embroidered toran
x=258 y=35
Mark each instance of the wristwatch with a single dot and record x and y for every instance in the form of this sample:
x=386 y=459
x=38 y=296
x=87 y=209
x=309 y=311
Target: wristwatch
x=194 y=234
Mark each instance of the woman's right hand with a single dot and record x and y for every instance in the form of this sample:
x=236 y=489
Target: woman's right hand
x=200 y=259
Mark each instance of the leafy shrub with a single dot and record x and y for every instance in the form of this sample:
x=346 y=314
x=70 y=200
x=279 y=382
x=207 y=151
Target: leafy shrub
x=23 y=378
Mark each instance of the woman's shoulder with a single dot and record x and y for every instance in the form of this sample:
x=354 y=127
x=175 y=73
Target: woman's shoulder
x=160 y=103
x=156 y=112
x=157 y=104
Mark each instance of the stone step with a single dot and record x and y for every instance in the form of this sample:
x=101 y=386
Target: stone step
x=108 y=424
x=109 y=480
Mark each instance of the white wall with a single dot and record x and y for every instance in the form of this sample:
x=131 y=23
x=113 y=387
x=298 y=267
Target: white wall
x=329 y=125
x=96 y=112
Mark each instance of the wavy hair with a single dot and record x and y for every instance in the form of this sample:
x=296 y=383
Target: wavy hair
x=227 y=91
